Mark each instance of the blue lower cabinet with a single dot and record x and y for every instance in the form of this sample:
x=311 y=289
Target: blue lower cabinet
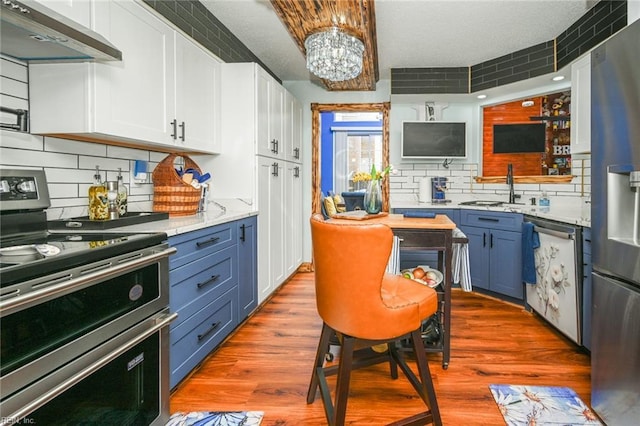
x=247 y=266
x=198 y=335
x=495 y=251
x=586 y=288
x=213 y=287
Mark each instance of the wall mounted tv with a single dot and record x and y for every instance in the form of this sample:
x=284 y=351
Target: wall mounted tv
x=434 y=139
x=518 y=138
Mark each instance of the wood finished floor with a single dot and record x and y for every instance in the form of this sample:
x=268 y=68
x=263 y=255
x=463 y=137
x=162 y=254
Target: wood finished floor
x=266 y=365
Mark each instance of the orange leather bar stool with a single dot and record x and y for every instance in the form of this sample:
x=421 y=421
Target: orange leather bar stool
x=366 y=307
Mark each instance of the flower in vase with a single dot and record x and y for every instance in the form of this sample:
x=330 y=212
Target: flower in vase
x=375 y=175
x=361 y=177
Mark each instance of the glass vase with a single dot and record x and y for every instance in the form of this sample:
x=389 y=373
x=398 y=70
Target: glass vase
x=373 y=197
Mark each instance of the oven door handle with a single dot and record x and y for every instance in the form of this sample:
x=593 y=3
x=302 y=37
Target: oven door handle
x=54 y=288
x=160 y=323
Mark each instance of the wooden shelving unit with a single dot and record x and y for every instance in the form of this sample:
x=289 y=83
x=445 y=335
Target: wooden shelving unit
x=556 y=113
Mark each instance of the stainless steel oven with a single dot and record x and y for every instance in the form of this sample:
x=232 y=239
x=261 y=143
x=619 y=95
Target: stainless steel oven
x=84 y=319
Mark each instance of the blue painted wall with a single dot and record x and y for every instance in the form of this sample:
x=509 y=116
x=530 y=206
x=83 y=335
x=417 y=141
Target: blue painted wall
x=327 y=121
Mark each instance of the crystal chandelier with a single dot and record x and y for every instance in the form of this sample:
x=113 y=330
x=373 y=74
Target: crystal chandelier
x=334 y=55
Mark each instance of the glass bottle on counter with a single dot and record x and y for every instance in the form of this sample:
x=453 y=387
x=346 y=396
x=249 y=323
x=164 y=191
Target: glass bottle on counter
x=112 y=196
x=98 y=200
x=123 y=195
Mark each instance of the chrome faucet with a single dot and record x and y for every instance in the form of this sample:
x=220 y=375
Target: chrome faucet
x=512 y=195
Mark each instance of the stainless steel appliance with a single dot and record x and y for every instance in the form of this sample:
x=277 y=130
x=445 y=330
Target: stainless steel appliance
x=84 y=317
x=556 y=294
x=33 y=32
x=615 y=218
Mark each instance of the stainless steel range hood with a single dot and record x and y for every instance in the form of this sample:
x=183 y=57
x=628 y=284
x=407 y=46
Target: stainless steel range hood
x=31 y=32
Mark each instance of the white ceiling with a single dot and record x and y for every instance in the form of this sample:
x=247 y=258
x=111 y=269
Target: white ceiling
x=412 y=33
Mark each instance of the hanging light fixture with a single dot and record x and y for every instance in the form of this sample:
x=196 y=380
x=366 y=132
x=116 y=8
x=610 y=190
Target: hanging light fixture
x=334 y=55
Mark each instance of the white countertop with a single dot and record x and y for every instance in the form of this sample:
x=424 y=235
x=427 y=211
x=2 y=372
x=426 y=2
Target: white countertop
x=218 y=211
x=571 y=210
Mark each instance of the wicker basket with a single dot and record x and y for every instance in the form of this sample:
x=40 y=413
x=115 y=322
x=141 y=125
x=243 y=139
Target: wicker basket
x=170 y=193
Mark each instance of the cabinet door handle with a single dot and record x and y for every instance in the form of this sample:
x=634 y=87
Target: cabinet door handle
x=296 y=171
x=182 y=126
x=209 y=281
x=274 y=172
x=174 y=126
x=296 y=153
x=491 y=241
x=277 y=146
x=208 y=332
x=242 y=235
x=489 y=219
x=207 y=242
x=274 y=147
x=484 y=239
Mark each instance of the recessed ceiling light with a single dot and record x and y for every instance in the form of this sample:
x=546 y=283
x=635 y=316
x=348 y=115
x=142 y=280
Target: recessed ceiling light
x=482 y=96
x=558 y=78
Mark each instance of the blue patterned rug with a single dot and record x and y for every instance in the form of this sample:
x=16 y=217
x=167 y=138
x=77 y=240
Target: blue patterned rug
x=542 y=405
x=216 y=418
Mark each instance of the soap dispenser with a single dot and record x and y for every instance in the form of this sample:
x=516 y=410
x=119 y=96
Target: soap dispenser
x=123 y=194
x=98 y=200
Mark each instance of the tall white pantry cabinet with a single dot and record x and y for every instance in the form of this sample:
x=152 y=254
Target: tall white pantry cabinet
x=260 y=163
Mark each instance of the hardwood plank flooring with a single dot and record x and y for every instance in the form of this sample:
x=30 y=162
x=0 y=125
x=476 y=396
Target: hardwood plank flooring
x=266 y=365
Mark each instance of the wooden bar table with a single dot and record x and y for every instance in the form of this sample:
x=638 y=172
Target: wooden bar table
x=425 y=234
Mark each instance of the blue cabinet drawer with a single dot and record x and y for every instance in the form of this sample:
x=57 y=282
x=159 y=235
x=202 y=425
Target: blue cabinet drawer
x=493 y=220
x=196 y=284
x=200 y=334
x=196 y=244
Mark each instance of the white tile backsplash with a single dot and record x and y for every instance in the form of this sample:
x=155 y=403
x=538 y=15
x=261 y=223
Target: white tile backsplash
x=70 y=166
x=461 y=180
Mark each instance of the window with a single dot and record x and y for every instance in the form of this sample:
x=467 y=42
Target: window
x=365 y=150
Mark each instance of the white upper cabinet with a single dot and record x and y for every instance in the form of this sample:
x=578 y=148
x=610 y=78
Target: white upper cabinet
x=76 y=10
x=581 y=105
x=197 y=96
x=162 y=94
x=129 y=100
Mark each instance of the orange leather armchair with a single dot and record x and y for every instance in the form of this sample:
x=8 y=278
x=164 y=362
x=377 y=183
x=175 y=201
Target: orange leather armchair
x=358 y=300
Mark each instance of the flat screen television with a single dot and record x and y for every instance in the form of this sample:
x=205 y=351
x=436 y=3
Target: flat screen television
x=434 y=139
x=518 y=138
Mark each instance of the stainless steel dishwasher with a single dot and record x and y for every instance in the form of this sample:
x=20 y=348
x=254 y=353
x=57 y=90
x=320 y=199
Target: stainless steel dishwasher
x=556 y=295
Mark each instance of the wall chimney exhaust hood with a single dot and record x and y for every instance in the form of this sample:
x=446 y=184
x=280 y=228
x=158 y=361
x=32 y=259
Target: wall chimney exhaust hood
x=31 y=32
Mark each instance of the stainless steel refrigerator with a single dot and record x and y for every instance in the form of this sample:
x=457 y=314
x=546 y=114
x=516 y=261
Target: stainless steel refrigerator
x=615 y=217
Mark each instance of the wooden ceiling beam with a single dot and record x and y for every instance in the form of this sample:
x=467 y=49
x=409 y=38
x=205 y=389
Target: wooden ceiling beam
x=303 y=17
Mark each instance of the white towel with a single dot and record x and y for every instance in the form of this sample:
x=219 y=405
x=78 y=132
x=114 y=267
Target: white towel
x=393 y=266
x=460 y=262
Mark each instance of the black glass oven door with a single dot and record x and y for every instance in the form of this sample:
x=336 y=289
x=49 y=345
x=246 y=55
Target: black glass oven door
x=46 y=335
x=124 y=381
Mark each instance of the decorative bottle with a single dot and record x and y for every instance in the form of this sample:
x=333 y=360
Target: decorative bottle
x=123 y=195
x=112 y=196
x=98 y=200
